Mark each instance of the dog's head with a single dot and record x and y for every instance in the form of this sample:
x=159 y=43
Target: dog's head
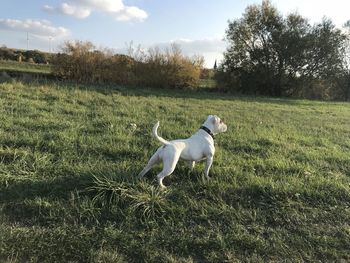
x=215 y=124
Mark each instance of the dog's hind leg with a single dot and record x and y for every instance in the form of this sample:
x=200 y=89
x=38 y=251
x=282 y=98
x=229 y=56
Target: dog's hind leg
x=153 y=161
x=169 y=166
x=208 y=164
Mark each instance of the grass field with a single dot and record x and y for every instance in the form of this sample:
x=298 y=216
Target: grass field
x=26 y=67
x=279 y=192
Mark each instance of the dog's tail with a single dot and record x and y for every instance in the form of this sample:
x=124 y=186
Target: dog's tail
x=155 y=134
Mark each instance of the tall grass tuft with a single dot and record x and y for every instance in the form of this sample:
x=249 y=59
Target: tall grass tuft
x=146 y=201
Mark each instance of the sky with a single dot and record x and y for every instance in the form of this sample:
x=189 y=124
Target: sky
x=198 y=26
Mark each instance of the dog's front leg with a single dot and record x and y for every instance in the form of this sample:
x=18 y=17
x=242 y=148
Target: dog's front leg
x=208 y=164
x=191 y=164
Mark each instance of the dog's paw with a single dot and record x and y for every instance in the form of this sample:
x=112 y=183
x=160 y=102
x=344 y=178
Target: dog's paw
x=205 y=178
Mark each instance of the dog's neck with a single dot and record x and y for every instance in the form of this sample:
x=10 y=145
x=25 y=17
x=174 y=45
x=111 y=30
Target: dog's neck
x=207 y=130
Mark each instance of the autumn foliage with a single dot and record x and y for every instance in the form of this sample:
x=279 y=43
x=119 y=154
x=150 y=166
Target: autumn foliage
x=169 y=68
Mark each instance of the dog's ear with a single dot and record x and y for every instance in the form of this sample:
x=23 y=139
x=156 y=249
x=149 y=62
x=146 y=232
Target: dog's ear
x=214 y=119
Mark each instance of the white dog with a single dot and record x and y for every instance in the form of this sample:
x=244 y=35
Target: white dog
x=198 y=147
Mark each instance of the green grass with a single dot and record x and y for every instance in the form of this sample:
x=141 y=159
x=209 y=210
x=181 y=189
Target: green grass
x=279 y=192
x=7 y=65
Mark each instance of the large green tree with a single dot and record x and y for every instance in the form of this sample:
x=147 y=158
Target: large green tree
x=345 y=81
x=274 y=55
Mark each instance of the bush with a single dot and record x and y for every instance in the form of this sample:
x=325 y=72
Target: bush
x=168 y=69
x=80 y=61
x=7 y=54
x=32 y=56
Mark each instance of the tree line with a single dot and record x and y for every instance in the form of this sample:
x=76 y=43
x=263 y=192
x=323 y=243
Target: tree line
x=168 y=68
x=275 y=55
x=268 y=54
x=84 y=62
x=31 y=56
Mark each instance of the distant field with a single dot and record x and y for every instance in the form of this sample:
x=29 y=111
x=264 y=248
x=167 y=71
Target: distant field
x=24 y=67
x=280 y=187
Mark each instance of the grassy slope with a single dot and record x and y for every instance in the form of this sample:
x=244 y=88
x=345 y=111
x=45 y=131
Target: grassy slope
x=8 y=65
x=279 y=189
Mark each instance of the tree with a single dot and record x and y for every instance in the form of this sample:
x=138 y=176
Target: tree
x=251 y=48
x=274 y=55
x=345 y=80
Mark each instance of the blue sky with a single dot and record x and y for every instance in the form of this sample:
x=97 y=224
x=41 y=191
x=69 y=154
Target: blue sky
x=198 y=26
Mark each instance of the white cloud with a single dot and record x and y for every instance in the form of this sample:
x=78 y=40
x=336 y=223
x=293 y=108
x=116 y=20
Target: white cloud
x=102 y=5
x=38 y=28
x=66 y=9
x=131 y=12
x=83 y=9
